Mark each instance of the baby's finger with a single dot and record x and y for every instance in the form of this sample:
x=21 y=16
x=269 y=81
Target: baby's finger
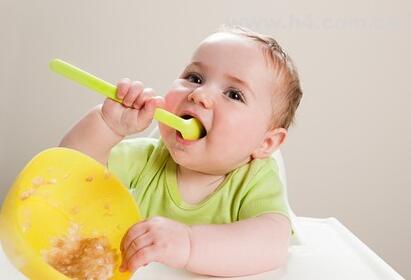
x=122 y=87
x=141 y=258
x=135 y=246
x=159 y=102
x=133 y=232
x=146 y=114
x=133 y=93
x=147 y=94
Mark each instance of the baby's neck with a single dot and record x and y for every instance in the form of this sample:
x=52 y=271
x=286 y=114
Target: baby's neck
x=195 y=176
x=195 y=186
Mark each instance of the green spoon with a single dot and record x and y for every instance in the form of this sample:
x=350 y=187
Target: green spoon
x=190 y=129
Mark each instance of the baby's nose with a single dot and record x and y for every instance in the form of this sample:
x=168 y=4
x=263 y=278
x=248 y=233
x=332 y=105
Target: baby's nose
x=202 y=98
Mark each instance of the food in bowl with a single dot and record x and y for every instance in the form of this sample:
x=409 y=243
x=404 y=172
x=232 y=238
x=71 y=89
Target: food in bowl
x=82 y=258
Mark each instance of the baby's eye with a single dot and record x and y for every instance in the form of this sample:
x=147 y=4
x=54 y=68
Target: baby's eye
x=235 y=95
x=194 y=78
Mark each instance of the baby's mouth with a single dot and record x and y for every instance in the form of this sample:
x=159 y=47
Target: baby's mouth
x=203 y=131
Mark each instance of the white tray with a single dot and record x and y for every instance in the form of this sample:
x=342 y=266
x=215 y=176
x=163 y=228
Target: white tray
x=328 y=251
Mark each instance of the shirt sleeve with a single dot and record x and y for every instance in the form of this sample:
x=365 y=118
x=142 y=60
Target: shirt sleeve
x=128 y=158
x=264 y=194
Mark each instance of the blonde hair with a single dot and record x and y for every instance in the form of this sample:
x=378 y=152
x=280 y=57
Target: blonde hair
x=290 y=92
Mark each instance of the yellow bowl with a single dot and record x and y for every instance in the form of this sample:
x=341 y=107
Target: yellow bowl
x=59 y=187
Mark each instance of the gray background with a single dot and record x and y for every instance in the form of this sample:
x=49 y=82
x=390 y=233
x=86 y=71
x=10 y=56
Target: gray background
x=348 y=156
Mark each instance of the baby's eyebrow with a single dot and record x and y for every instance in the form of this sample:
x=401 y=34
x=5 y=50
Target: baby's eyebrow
x=198 y=64
x=194 y=64
x=240 y=82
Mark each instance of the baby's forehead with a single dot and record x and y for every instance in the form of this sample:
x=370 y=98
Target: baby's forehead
x=241 y=46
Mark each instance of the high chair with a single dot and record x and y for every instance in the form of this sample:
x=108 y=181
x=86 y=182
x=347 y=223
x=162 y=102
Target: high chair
x=320 y=249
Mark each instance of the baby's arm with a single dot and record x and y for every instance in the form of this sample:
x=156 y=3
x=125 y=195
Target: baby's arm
x=106 y=125
x=92 y=136
x=246 y=247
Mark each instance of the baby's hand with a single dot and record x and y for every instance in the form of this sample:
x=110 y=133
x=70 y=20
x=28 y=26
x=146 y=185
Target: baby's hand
x=156 y=240
x=137 y=110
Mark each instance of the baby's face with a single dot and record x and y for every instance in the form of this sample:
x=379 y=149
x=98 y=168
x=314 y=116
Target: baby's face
x=227 y=86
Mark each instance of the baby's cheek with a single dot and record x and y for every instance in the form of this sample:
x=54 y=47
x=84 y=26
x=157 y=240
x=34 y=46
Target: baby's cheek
x=177 y=94
x=169 y=102
x=164 y=131
x=172 y=100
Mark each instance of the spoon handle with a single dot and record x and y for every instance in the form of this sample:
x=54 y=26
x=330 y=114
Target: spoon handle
x=84 y=78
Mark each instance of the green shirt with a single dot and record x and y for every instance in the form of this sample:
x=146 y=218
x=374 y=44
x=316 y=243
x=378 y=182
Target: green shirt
x=145 y=166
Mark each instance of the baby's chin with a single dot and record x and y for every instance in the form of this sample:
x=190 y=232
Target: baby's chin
x=183 y=158
x=198 y=165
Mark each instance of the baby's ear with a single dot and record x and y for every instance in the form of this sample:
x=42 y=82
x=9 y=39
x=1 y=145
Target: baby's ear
x=272 y=140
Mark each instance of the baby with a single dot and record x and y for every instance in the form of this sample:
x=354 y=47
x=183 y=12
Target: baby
x=214 y=205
